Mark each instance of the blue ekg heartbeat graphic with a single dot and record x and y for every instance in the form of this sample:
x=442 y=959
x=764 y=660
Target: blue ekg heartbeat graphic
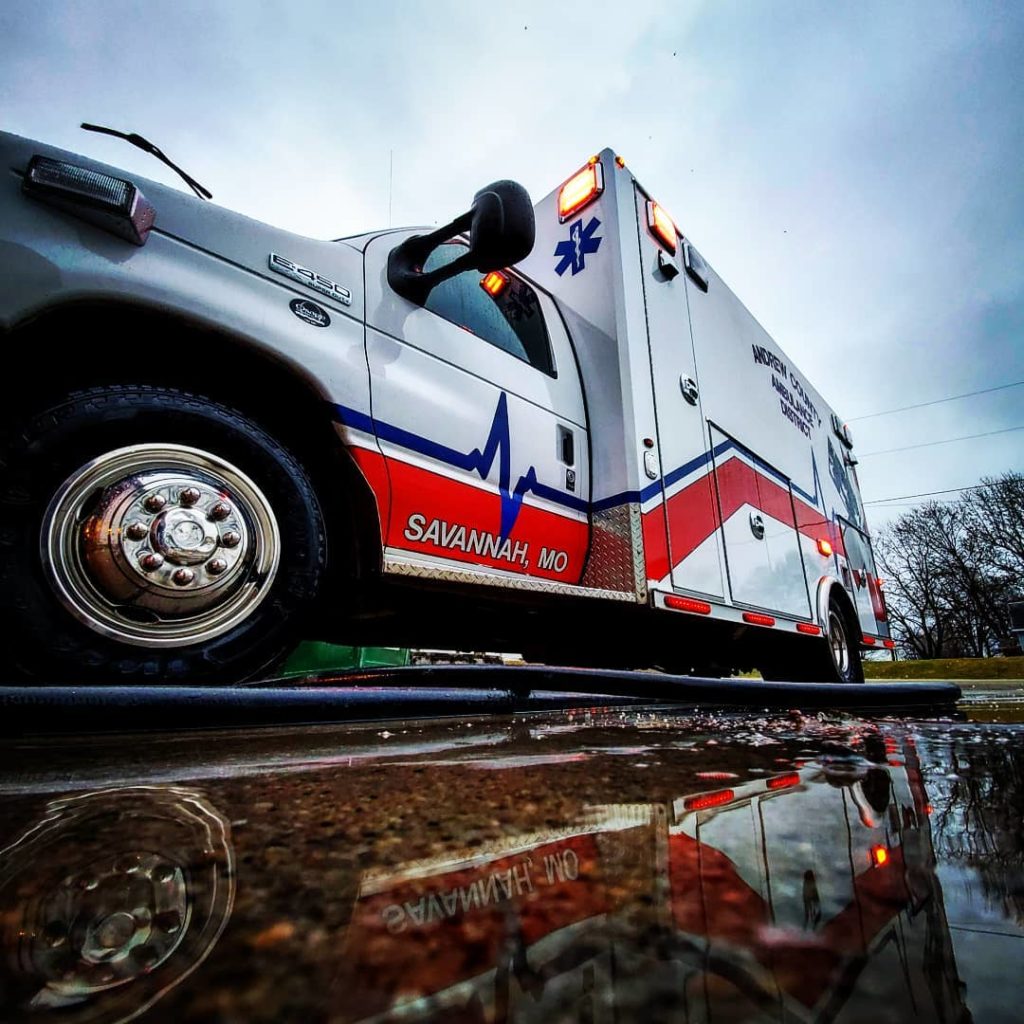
x=480 y=461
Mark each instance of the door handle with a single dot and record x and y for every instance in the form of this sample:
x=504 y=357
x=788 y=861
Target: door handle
x=688 y=386
x=566 y=445
x=757 y=525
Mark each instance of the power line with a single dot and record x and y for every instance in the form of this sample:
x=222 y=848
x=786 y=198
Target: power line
x=926 y=494
x=937 y=401
x=948 y=440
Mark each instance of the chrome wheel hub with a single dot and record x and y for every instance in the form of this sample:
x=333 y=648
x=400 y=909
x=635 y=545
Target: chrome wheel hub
x=109 y=900
x=160 y=545
x=837 y=641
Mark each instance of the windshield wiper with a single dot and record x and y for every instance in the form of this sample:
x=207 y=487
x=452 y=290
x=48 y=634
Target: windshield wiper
x=146 y=146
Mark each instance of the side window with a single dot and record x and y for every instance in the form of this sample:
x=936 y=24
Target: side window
x=510 y=320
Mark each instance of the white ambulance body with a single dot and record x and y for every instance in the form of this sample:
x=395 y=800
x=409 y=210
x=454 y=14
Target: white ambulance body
x=669 y=455
x=597 y=457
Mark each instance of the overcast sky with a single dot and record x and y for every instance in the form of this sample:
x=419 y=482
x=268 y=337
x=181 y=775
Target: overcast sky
x=855 y=171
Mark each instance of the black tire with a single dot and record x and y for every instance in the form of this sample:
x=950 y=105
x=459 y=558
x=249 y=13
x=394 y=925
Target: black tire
x=45 y=641
x=822 y=663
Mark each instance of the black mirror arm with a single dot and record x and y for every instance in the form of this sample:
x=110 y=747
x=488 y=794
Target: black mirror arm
x=405 y=261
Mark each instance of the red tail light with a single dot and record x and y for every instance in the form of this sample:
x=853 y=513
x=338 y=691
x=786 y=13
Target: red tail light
x=890 y=644
x=869 y=640
x=877 y=598
x=809 y=628
x=758 y=620
x=784 y=781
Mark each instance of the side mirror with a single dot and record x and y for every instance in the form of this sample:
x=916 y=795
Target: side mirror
x=501 y=232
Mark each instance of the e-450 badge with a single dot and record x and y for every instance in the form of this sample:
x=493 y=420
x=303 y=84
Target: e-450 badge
x=311 y=279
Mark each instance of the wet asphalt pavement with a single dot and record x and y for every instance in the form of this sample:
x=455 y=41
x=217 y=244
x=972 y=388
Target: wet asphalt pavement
x=588 y=864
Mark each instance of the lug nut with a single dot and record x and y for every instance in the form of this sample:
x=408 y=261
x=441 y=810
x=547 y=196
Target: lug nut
x=219 y=511
x=183 y=577
x=215 y=566
x=154 y=503
x=189 y=496
x=231 y=538
x=151 y=561
x=136 y=531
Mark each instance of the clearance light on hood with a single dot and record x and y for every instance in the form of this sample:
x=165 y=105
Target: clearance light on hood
x=109 y=203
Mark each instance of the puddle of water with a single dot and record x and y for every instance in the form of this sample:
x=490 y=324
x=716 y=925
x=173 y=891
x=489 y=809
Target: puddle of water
x=596 y=866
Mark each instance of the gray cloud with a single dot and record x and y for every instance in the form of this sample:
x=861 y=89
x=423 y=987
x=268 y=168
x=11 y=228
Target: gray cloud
x=853 y=171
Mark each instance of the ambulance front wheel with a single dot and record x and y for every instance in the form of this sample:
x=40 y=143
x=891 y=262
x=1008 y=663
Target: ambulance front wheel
x=148 y=535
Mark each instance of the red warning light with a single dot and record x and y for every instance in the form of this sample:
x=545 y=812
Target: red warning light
x=687 y=604
x=705 y=800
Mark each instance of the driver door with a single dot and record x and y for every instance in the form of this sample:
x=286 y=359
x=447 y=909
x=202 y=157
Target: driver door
x=478 y=409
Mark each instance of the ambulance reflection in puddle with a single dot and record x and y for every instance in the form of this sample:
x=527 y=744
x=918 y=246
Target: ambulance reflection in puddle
x=807 y=895
x=110 y=900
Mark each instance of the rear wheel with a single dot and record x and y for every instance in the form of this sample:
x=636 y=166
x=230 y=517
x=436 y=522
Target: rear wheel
x=834 y=660
x=152 y=535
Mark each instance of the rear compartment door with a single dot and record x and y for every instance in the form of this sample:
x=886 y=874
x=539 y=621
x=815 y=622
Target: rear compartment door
x=687 y=506
x=762 y=545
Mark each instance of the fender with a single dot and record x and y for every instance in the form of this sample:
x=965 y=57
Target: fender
x=824 y=594
x=202 y=263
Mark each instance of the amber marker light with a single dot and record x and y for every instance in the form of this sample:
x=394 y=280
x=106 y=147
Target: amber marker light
x=879 y=856
x=494 y=283
x=662 y=226
x=824 y=546
x=582 y=188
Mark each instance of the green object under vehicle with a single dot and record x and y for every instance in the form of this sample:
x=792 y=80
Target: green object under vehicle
x=313 y=658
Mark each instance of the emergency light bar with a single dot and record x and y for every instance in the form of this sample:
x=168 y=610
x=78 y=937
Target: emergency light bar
x=582 y=188
x=109 y=203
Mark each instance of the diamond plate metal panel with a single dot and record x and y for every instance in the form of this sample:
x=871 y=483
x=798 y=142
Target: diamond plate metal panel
x=616 y=552
x=406 y=566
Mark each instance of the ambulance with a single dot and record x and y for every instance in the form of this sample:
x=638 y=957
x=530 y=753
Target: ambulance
x=550 y=429
x=804 y=895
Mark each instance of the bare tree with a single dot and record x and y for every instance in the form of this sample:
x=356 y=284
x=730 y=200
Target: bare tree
x=953 y=567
